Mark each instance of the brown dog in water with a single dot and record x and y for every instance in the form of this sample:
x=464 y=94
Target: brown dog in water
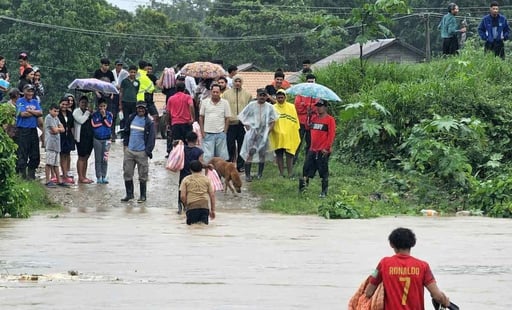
x=227 y=171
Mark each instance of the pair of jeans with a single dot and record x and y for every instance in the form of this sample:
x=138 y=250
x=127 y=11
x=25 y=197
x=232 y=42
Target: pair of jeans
x=215 y=145
x=101 y=152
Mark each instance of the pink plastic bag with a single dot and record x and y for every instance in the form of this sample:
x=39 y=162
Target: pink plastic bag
x=168 y=78
x=197 y=129
x=176 y=159
x=214 y=178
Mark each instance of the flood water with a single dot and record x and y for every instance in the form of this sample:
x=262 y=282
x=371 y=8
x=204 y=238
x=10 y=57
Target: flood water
x=111 y=255
x=127 y=259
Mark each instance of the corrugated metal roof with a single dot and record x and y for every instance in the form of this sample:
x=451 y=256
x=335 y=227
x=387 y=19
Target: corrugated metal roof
x=255 y=80
x=369 y=48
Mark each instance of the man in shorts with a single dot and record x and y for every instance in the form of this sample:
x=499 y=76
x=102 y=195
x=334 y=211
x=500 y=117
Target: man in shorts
x=53 y=128
x=323 y=132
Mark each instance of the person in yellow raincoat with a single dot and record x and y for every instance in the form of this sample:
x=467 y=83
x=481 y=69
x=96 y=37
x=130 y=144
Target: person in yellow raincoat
x=284 y=137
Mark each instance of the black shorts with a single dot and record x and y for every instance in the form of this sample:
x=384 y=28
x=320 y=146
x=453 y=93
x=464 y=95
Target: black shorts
x=67 y=144
x=281 y=152
x=316 y=161
x=84 y=147
x=152 y=108
x=199 y=215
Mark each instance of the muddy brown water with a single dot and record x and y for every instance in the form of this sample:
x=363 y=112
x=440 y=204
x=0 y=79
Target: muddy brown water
x=119 y=256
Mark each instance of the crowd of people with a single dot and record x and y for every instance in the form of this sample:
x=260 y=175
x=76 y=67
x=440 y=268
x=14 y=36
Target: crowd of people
x=232 y=125
x=213 y=117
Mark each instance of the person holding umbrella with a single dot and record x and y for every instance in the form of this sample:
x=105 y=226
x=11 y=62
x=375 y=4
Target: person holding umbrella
x=305 y=107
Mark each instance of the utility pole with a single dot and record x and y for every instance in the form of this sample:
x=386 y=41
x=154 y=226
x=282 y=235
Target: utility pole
x=427 y=36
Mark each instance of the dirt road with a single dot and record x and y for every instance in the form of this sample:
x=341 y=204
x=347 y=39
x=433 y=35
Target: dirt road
x=162 y=187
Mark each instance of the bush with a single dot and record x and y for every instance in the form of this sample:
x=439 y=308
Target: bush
x=449 y=120
x=13 y=193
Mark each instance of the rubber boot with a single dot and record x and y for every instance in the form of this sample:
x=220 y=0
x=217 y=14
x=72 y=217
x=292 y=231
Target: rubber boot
x=248 y=176
x=302 y=185
x=31 y=174
x=128 y=185
x=261 y=166
x=142 y=197
x=180 y=204
x=325 y=187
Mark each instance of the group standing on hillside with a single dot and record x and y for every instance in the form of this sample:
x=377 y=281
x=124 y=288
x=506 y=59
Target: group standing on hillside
x=493 y=29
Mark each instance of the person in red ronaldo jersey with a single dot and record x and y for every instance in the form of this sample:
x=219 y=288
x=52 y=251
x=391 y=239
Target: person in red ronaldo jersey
x=323 y=130
x=404 y=276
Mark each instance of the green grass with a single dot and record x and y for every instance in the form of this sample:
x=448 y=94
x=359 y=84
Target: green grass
x=360 y=192
x=37 y=199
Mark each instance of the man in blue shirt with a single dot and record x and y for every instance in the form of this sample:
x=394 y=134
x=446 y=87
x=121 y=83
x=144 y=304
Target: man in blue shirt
x=139 y=141
x=494 y=30
x=28 y=111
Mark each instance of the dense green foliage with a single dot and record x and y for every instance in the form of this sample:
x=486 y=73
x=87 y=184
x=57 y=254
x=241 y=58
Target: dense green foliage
x=448 y=121
x=411 y=137
x=17 y=197
x=13 y=198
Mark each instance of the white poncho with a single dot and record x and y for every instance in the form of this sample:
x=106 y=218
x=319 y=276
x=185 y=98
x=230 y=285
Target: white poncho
x=256 y=118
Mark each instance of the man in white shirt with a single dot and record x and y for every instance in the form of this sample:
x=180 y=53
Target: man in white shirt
x=214 y=116
x=119 y=75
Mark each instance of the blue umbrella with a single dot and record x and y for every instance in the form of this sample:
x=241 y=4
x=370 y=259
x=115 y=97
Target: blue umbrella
x=93 y=85
x=313 y=90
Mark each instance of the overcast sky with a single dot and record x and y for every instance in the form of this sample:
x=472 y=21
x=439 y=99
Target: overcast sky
x=128 y=5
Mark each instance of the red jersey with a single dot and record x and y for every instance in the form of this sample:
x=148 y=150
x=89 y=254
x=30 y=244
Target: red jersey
x=302 y=104
x=323 y=132
x=178 y=106
x=404 y=278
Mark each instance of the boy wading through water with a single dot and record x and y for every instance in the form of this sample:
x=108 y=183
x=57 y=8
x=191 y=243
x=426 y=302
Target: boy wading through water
x=195 y=190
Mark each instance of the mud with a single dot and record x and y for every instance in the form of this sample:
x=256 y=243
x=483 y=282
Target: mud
x=162 y=186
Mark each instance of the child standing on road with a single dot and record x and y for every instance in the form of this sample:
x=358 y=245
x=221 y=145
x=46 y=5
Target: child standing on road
x=101 y=123
x=53 y=129
x=195 y=191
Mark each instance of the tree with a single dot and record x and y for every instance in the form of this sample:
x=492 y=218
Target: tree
x=273 y=35
x=373 y=20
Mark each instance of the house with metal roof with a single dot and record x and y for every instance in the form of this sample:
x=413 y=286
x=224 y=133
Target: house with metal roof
x=382 y=50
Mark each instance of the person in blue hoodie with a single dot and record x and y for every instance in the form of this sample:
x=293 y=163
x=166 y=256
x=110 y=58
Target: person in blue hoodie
x=494 y=30
x=139 y=142
x=101 y=122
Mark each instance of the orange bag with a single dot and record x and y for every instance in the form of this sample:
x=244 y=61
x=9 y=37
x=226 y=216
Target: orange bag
x=360 y=302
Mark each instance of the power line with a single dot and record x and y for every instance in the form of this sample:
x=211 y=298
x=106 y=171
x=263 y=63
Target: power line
x=156 y=37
